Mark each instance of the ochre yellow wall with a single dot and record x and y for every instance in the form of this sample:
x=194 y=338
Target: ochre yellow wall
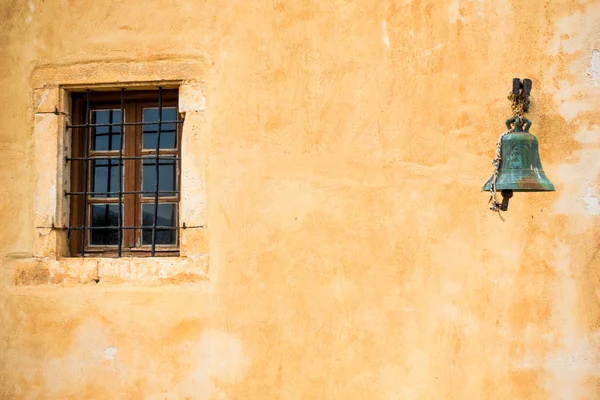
x=352 y=254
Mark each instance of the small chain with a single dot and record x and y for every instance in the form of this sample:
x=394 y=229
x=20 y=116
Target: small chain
x=519 y=103
x=496 y=163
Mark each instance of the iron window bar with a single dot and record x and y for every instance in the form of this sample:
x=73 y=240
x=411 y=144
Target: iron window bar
x=112 y=228
x=152 y=157
x=85 y=168
x=178 y=121
x=120 y=157
x=121 y=145
x=156 y=165
x=165 y=192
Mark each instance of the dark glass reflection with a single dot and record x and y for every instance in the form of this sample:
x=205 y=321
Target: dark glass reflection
x=166 y=216
x=106 y=138
x=168 y=132
x=105 y=177
x=103 y=215
x=167 y=177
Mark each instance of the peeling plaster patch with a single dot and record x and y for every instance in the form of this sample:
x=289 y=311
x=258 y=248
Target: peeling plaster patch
x=451 y=312
x=570 y=109
x=454 y=12
x=575 y=361
x=528 y=363
x=564 y=92
x=31 y=7
x=215 y=356
x=386 y=38
x=460 y=317
x=593 y=70
x=481 y=8
x=110 y=353
x=567 y=100
x=589 y=135
x=502 y=8
x=573 y=30
x=570 y=367
x=575 y=180
x=533 y=359
x=565 y=27
x=593 y=207
x=82 y=360
x=429 y=52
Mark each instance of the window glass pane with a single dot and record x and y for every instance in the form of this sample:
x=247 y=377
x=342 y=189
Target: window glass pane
x=106 y=138
x=168 y=132
x=167 y=176
x=166 y=216
x=104 y=215
x=105 y=177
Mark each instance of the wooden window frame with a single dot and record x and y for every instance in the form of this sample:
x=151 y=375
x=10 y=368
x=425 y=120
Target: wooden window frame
x=134 y=103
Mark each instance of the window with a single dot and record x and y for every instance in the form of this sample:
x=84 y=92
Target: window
x=125 y=173
x=59 y=134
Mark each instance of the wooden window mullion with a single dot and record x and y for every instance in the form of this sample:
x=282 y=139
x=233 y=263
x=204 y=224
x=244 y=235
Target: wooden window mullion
x=129 y=200
x=76 y=178
x=137 y=177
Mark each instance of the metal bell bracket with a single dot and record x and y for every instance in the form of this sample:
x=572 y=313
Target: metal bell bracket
x=521 y=91
x=521 y=124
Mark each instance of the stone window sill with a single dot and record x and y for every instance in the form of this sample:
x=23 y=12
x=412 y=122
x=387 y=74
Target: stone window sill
x=146 y=271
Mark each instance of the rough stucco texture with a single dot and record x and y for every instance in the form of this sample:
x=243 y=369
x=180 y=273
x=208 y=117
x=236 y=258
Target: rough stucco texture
x=352 y=254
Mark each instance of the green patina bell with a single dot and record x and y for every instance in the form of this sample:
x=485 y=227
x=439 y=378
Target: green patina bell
x=520 y=167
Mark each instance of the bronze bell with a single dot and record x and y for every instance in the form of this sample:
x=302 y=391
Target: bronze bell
x=520 y=167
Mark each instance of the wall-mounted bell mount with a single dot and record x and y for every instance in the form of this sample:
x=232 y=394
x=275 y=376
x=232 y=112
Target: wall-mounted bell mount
x=518 y=167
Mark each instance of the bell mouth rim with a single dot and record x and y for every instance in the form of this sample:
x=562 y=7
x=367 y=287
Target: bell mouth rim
x=528 y=190
x=543 y=184
x=499 y=189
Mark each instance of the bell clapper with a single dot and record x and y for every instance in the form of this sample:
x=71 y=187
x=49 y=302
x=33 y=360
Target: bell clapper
x=506 y=195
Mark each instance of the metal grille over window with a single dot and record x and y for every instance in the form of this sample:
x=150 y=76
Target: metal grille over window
x=125 y=173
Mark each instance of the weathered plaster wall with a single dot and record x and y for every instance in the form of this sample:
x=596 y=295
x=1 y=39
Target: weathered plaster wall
x=351 y=252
